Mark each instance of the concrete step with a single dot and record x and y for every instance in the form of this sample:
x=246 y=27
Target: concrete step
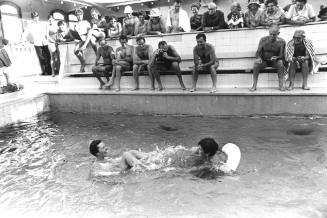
x=243 y=80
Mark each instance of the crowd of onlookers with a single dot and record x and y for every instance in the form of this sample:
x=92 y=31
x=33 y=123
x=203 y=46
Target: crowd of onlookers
x=142 y=57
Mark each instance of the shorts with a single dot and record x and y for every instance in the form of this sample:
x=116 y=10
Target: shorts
x=102 y=70
x=166 y=66
x=125 y=66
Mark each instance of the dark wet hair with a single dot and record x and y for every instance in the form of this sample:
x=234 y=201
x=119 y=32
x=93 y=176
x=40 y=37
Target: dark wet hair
x=139 y=38
x=209 y=146
x=304 y=1
x=94 y=150
x=122 y=37
x=161 y=43
x=275 y=2
x=201 y=35
x=60 y=22
x=178 y=1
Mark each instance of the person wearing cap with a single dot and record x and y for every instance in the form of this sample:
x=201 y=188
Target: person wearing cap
x=122 y=63
x=165 y=58
x=270 y=53
x=323 y=13
x=300 y=54
x=177 y=19
x=196 y=19
x=38 y=31
x=129 y=22
x=155 y=25
x=300 y=13
x=81 y=28
x=205 y=60
x=141 y=25
x=141 y=56
x=96 y=33
x=272 y=14
x=253 y=14
x=115 y=28
x=213 y=19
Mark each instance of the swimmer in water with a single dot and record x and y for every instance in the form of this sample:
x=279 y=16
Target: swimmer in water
x=108 y=166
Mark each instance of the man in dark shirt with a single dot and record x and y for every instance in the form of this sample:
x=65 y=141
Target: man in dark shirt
x=107 y=54
x=163 y=59
x=270 y=53
x=213 y=19
x=205 y=53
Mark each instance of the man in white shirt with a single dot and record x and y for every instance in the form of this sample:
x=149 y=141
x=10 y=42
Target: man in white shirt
x=177 y=19
x=300 y=13
x=38 y=32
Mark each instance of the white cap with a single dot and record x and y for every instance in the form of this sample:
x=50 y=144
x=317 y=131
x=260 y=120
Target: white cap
x=128 y=10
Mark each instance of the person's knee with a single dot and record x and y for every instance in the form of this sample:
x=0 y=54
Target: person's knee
x=279 y=65
x=256 y=67
x=175 y=65
x=213 y=69
x=95 y=70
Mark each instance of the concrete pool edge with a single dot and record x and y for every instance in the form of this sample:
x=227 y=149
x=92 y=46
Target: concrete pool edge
x=20 y=106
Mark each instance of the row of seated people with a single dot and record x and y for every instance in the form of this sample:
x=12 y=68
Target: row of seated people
x=272 y=52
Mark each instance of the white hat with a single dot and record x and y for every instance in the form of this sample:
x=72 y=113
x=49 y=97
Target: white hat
x=128 y=10
x=155 y=12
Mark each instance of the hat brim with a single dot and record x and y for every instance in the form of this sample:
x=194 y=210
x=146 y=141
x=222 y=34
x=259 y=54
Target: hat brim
x=254 y=3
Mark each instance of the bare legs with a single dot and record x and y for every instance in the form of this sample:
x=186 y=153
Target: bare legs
x=213 y=73
x=92 y=36
x=80 y=55
x=98 y=71
x=305 y=73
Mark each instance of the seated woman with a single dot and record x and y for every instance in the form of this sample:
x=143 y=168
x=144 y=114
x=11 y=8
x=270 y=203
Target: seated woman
x=272 y=14
x=252 y=16
x=323 y=13
x=235 y=17
x=300 y=13
x=96 y=32
x=196 y=19
x=115 y=28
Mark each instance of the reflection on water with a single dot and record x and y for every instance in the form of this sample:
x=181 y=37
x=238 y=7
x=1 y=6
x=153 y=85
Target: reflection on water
x=45 y=168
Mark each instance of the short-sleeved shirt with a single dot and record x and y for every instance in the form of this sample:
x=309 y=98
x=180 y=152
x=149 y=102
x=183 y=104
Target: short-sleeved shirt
x=253 y=19
x=307 y=12
x=275 y=17
x=212 y=20
x=82 y=27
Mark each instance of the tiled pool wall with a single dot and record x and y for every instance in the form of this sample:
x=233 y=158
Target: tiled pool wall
x=24 y=107
x=192 y=104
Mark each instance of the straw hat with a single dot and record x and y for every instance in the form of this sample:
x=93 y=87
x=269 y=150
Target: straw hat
x=254 y=2
x=299 y=33
x=155 y=12
x=128 y=10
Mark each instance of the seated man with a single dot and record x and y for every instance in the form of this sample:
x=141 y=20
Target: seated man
x=165 y=58
x=177 y=19
x=129 y=22
x=96 y=33
x=141 y=56
x=122 y=63
x=270 y=53
x=213 y=19
x=155 y=25
x=300 y=55
x=107 y=54
x=300 y=13
x=80 y=31
x=204 y=60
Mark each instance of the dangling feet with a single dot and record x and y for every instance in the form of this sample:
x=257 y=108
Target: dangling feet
x=193 y=90
x=253 y=89
x=82 y=69
x=305 y=88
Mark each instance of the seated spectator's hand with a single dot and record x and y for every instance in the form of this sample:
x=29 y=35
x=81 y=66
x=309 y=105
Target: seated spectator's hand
x=274 y=58
x=200 y=67
x=300 y=59
x=207 y=29
x=258 y=61
x=294 y=59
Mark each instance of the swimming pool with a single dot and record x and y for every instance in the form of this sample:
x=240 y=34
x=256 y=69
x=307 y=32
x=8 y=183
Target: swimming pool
x=45 y=166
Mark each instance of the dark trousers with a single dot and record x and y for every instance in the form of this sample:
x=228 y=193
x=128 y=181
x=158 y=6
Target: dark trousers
x=44 y=58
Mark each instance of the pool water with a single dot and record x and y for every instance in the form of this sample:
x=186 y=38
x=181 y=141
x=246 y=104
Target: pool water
x=45 y=167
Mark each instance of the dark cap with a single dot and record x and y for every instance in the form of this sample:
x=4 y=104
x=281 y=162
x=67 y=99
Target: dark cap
x=79 y=11
x=34 y=14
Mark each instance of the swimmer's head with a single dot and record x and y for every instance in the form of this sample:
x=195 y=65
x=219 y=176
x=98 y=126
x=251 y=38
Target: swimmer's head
x=209 y=146
x=99 y=149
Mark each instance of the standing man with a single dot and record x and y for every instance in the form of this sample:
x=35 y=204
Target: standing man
x=177 y=19
x=204 y=60
x=165 y=58
x=270 y=53
x=213 y=19
x=81 y=30
x=141 y=56
x=39 y=33
x=129 y=22
x=300 y=54
x=107 y=54
x=122 y=63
